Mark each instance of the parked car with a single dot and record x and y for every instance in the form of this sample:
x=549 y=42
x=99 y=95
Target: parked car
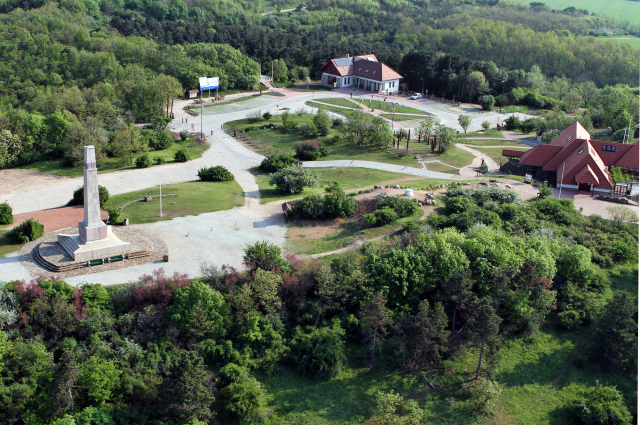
x=416 y=96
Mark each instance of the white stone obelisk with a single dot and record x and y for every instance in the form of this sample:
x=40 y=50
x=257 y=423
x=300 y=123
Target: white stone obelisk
x=92 y=228
x=95 y=239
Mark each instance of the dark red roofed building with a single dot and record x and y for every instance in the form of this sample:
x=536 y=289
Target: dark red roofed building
x=574 y=161
x=360 y=71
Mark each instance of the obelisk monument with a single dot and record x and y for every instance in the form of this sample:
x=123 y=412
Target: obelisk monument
x=95 y=239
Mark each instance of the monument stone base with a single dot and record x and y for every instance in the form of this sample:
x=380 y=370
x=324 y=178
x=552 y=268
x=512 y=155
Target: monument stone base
x=82 y=250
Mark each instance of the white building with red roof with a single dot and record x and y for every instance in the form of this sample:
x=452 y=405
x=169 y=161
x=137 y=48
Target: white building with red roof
x=364 y=72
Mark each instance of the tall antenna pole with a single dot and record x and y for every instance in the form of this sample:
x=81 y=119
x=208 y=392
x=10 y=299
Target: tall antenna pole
x=561 y=180
x=160 y=196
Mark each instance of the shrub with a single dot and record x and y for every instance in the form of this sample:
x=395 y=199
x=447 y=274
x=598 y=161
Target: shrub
x=337 y=202
x=265 y=256
x=144 y=161
x=31 y=229
x=545 y=190
x=404 y=207
x=602 y=406
x=215 y=174
x=242 y=396
x=6 y=213
x=115 y=215
x=512 y=123
x=486 y=125
x=276 y=162
x=78 y=196
x=182 y=155
x=381 y=216
x=569 y=319
x=158 y=160
x=267 y=115
x=310 y=151
x=184 y=135
x=293 y=179
x=311 y=207
x=160 y=140
x=319 y=350
x=338 y=122
x=487 y=102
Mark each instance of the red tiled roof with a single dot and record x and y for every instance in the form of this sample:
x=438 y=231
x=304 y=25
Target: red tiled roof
x=586 y=175
x=562 y=155
x=630 y=158
x=376 y=71
x=511 y=152
x=539 y=155
x=370 y=57
x=193 y=91
x=574 y=131
x=584 y=155
x=611 y=158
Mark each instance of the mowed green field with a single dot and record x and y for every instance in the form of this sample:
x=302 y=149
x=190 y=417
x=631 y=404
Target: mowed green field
x=623 y=10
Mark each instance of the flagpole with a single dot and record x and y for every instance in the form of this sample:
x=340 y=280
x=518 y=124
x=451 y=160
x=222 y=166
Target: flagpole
x=160 y=196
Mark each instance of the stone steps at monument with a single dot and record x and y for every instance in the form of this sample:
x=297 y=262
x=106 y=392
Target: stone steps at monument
x=41 y=261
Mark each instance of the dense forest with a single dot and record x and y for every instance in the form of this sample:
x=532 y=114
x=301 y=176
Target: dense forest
x=484 y=269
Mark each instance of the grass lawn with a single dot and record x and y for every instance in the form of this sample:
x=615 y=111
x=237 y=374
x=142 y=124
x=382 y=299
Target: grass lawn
x=624 y=277
x=335 y=109
x=496 y=154
x=634 y=41
x=347 y=231
x=282 y=140
x=339 y=101
x=622 y=10
x=193 y=198
x=492 y=132
x=441 y=168
x=55 y=166
x=226 y=102
x=378 y=104
x=349 y=178
x=495 y=143
x=302 y=86
x=401 y=117
x=7 y=246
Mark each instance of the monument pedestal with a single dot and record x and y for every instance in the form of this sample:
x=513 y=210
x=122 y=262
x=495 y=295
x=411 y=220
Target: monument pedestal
x=95 y=239
x=82 y=250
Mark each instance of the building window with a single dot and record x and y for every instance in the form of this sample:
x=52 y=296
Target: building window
x=360 y=69
x=608 y=148
x=366 y=71
x=580 y=151
x=374 y=72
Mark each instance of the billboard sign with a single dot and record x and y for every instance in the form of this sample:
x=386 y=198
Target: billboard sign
x=209 y=83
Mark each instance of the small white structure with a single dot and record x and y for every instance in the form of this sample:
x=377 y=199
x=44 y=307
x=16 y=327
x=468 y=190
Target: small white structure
x=95 y=239
x=364 y=72
x=193 y=93
x=408 y=192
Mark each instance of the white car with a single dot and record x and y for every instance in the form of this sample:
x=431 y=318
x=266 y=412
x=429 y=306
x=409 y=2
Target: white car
x=416 y=96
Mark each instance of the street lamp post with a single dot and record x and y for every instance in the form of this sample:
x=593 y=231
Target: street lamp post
x=393 y=114
x=201 y=112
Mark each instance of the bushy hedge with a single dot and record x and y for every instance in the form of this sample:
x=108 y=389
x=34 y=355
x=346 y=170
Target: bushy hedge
x=381 y=216
x=404 y=207
x=215 y=174
x=78 y=196
x=144 y=161
x=182 y=155
x=310 y=151
x=31 y=229
x=276 y=162
x=6 y=213
x=334 y=204
x=158 y=140
x=480 y=196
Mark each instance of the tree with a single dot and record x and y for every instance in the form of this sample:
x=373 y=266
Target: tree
x=293 y=179
x=484 y=325
x=574 y=265
x=425 y=128
x=447 y=137
x=477 y=84
x=6 y=213
x=280 y=70
x=622 y=214
x=98 y=378
x=265 y=285
x=337 y=203
x=456 y=292
x=392 y=410
x=464 y=121
x=96 y=296
x=64 y=384
x=602 y=405
x=322 y=120
x=374 y=320
x=199 y=310
x=182 y=155
x=617 y=332
x=378 y=133
x=10 y=149
x=126 y=141
x=319 y=350
x=242 y=396
x=487 y=101
x=186 y=391
x=266 y=256
x=485 y=125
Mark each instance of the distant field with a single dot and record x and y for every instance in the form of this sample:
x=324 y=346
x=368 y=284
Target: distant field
x=624 y=10
x=634 y=41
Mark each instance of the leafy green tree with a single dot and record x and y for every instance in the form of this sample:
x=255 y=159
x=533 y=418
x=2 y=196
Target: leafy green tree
x=265 y=285
x=93 y=416
x=6 y=213
x=242 y=396
x=293 y=179
x=617 y=332
x=574 y=265
x=99 y=379
x=280 y=70
x=266 y=256
x=464 y=121
x=447 y=137
x=602 y=406
x=95 y=295
x=186 y=391
x=319 y=350
x=323 y=122
x=374 y=320
x=182 y=155
x=391 y=409
x=425 y=128
x=338 y=203
x=378 y=133
x=487 y=101
x=10 y=149
x=484 y=326
x=199 y=310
